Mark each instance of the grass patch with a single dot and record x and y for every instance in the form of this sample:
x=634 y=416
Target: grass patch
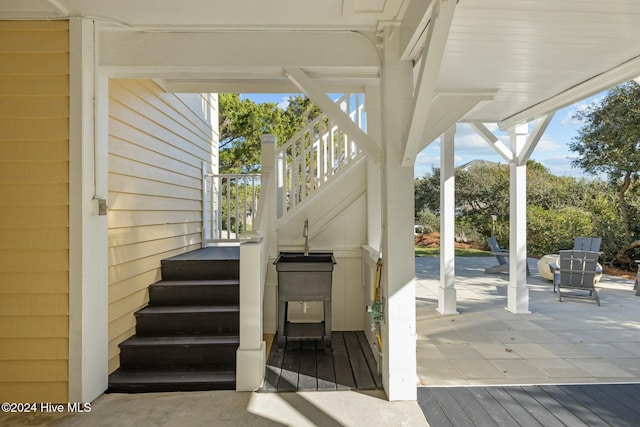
x=419 y=251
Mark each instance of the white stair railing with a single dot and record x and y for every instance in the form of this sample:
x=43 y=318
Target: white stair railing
x=230 y=205
x=317 y=153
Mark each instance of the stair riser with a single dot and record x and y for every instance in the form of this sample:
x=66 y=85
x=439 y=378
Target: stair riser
x=172 y=324
x=162 y=356
x=194 y=295
x=200 y=270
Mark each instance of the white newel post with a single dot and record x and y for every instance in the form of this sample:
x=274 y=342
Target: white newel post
x=274 y=168
x=447 y=290
x=518 y=293
x=251 y=355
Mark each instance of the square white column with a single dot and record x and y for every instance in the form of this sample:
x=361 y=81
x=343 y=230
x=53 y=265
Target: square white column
x=518 y=293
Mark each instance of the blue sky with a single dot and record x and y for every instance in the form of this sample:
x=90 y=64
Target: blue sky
x=552 y=150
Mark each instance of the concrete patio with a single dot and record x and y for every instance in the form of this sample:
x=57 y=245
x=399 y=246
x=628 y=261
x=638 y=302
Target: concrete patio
x=567 y=342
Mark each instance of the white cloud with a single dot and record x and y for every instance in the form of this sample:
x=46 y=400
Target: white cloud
x=284 y=103
x=548 y=144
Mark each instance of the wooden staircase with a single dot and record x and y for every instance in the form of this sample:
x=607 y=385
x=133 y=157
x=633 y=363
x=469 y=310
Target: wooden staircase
x=186 y=338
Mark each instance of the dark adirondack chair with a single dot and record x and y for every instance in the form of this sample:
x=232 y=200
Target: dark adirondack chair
x=501 y=255
x=591 y=244
x=575 y=273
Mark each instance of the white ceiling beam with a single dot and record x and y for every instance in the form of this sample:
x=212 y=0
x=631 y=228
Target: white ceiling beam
x=265 y=51
x=493 y=141
x=617 y=75
x=326 y=104
x=435 y=43
x=446 y=110
x=534 y=138
x=248 y=85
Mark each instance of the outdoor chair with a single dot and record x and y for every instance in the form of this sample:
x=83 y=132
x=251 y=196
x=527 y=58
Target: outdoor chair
x=501 y=255
x=591 y=244
x=576 y=272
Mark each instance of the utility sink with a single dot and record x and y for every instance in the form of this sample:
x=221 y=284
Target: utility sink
x=304 y=278
x=311 y=262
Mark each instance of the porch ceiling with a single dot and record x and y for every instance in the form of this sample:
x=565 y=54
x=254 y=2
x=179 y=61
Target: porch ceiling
x=539 y=55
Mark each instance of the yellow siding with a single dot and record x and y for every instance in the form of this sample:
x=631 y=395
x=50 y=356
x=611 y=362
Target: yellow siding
x=34 y=211
x=156 y=148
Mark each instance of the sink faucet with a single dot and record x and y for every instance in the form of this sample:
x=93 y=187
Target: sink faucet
x=305 y=233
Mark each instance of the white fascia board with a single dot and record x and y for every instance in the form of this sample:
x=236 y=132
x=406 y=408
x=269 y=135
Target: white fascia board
x=617 y=75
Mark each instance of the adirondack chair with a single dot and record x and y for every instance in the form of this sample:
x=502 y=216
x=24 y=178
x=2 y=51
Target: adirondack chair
x=501 y=255
x=591 y=244
x=575 y=272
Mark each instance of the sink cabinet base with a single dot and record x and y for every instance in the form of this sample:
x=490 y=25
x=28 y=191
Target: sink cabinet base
x=303 y=331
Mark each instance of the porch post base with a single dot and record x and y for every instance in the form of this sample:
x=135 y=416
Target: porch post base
x=250 y=368
x=447 y=301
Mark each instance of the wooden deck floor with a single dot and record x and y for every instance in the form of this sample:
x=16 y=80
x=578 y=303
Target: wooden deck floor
x=545 y=405
x=307 y=366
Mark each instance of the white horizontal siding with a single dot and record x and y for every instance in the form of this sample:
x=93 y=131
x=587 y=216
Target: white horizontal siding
x=157 y=143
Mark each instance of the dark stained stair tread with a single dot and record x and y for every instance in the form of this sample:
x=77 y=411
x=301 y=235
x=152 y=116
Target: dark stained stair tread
x=210 y=253
x=219 y=282
x=161 y=380
x=181 y=340
x=187 y=337
x=191 y=309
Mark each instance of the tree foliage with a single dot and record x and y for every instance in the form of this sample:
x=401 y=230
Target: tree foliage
x=558 y=208
x=609 y=142
x=242 y=121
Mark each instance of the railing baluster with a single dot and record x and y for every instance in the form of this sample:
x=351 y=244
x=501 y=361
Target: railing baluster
x=318 y=152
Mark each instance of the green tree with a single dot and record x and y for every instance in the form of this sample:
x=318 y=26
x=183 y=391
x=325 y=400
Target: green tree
x=559 y=208
x=242 y=121
x=609 y=142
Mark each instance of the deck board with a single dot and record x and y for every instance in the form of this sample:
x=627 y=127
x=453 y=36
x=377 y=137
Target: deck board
x=370 y=358
x=326 y=372
x=359 y=367
x=544 y=405
x=289 y=375
x=307 y=376
x=341 y=365
x=307 y=365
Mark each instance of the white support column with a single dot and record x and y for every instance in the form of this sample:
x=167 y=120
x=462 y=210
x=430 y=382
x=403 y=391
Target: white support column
x=518 y=293
x=374 y=172
x=447 y=291
x=88 y=258
x=399 y=325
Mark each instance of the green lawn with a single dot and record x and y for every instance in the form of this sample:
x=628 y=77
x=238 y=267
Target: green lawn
x=459 y=252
